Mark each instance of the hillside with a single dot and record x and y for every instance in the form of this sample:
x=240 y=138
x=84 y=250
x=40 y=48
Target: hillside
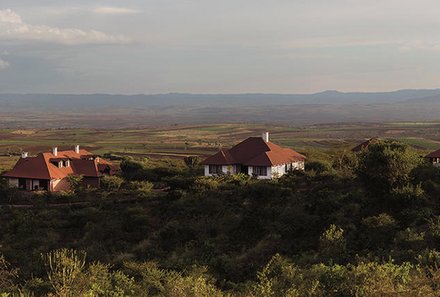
x=337 y=229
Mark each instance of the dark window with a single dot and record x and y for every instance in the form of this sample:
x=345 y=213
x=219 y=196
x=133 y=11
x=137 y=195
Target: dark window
x=44 y=184
x=215 y=169
x=22 y=183
x=259 y=170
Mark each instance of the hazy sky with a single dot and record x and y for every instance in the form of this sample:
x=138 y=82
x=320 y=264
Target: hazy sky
x=223 y=46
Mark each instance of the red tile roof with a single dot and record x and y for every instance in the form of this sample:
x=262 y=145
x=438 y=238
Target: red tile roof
x=254 y=151
x=435 y=154
x=43 y=166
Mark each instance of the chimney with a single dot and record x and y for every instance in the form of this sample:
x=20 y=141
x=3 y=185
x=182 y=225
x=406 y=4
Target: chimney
x=24 y=155
x=77 y=149
x=265 y=136
x=55 y=151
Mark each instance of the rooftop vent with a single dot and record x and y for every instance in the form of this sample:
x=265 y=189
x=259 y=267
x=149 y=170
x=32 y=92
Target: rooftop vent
x=24 y=155
x=55 y=151
x=77 y=149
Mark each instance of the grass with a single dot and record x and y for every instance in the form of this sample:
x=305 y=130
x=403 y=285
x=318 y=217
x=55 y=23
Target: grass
x=7 y=163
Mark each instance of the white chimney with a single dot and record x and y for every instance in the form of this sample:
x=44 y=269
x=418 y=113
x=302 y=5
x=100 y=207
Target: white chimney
x=55 y=151
x=265 y=136
x=24 y=155
x=77 y=149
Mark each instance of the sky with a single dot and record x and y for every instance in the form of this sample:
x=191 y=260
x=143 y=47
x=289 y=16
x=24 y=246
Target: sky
x=223 y=46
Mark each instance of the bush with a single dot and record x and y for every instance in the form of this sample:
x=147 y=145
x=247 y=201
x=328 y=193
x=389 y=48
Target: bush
x=111 y=182
x=318 y=167
x=142 y=188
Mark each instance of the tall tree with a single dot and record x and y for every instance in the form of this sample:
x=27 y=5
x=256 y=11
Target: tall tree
x=386 y=166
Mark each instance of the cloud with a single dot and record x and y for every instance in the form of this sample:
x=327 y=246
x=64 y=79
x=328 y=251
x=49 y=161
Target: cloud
x=13 y=27
x=115 y=10
x=3 y=64
x=419 y=46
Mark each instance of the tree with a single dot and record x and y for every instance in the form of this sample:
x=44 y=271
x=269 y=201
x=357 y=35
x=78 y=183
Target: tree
x=131 y=169
x=111 y=182
x=75 y=182
x=192 y=161
x=332 y=243
x=345 y=161
x=385 y=166
x=65 y=270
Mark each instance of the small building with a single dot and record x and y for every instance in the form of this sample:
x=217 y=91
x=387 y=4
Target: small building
x=359 y=148
x=255 y=156
x=434 y=158
x=50 y=170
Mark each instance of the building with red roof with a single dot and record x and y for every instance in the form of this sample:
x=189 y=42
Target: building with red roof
x=50 y=170
x=434 y=158
x=256 y=156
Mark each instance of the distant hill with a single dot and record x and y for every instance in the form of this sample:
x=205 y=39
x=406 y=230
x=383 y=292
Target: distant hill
x=104 y=110
x=94 y=100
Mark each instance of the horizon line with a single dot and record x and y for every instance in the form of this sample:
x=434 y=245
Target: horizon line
x=329 y=91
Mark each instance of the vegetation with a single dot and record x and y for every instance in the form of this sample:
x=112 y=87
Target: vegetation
x=179 y=141
x=350 y=225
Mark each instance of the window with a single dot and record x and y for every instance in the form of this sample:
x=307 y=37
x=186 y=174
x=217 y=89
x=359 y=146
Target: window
x=259 y=170
x=215 y=169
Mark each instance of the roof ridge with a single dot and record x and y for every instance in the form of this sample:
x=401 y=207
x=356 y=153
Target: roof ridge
x=46 y=163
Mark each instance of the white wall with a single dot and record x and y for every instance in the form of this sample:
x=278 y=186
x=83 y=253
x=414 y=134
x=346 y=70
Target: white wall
x=272 y=172
x=226 y=169
x=278 y=171
x=13 y=182
x=298 y=165
x=268 y=176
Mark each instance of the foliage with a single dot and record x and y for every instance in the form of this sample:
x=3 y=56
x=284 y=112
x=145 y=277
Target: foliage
x=360 y=225
x=332 y=243
x=142 y=188
x=386 y=166
x=192 y=161
x=75 y=182
x=282 y=278
x=64 y=270
x=8 y=276
x=345 y=161
x=111 y=182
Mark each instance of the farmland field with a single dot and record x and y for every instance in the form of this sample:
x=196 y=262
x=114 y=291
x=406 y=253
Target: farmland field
x=178 y=141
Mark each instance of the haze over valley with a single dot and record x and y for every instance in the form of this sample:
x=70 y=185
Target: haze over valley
x=113 y=111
